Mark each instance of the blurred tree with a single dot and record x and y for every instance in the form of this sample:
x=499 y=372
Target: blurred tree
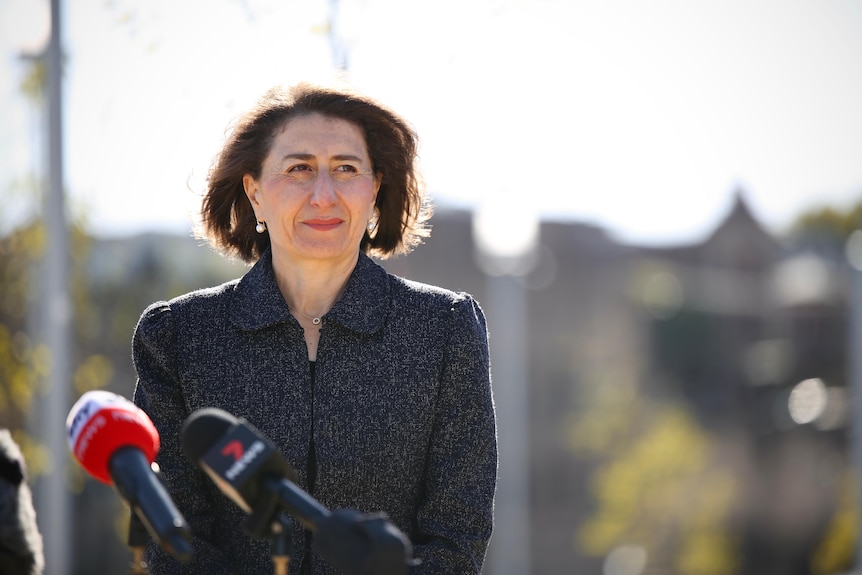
x=34 y=80
x=660 y=487
x=25 y=360
x=22 y=360
x=836 y=551
x=826 y=227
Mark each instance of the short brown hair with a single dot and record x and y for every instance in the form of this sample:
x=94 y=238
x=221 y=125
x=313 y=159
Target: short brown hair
x=227 y=218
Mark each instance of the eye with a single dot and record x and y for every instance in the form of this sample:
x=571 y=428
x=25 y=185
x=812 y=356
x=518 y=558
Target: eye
x=300 y=172
x=345 y=172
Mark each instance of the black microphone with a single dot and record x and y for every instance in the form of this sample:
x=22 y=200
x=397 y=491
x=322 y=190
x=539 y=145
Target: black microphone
x=244 y=465
x=116 y=442
x=251 y=471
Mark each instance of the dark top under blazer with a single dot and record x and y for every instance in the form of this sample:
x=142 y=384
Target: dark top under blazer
x=400 y=411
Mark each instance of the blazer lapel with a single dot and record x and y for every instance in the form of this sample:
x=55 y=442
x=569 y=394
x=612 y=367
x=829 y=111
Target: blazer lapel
x=258 y=303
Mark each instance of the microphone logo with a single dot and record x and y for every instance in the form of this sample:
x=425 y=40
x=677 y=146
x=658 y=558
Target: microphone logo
x=234 y=449
x=245 y=459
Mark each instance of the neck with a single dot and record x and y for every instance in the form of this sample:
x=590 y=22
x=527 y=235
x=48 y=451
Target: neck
x=312 y=288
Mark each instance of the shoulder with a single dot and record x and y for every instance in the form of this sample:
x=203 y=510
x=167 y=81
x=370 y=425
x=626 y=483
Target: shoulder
x=375 y=297
x=427 y=293
x=194 y=305
x=459 y=306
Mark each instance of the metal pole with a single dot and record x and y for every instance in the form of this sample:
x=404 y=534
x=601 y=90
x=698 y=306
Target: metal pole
x=508 y=323
x=53 y=501
x=855 y=354
x=506 y=240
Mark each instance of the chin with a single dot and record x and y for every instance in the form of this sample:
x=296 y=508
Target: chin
x=321 y=253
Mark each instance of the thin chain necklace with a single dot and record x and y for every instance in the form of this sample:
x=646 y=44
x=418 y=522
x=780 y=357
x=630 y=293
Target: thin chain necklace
x=314 y=320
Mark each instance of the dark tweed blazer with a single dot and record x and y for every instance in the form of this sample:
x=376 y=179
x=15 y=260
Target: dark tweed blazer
x=400 y=411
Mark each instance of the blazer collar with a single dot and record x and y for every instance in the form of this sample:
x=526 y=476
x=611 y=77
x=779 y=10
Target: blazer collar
x=258 y=303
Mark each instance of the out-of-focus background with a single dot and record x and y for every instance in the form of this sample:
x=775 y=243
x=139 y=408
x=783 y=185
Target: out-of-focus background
x=657 y=204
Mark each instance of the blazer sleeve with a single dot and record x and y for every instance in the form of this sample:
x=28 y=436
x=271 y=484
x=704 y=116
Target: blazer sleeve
x=454 y=520
x=158 y=392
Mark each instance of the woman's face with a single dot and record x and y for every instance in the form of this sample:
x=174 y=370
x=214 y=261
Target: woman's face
x=316 y=190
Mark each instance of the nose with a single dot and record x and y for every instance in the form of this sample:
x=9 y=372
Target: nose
x=323 y=193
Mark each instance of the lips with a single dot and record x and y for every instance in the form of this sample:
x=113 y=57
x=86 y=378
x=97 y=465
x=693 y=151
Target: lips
x=323 y=224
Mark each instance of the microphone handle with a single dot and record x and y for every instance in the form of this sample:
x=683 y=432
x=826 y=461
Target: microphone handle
x=137 y=540
x=142 y=489
x=297 y=502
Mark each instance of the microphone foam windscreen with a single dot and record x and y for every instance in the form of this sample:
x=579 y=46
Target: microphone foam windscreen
x=100 y=423
x=202 y=429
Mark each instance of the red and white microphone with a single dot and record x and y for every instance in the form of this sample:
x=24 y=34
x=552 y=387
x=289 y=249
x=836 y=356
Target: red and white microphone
x=116 y=442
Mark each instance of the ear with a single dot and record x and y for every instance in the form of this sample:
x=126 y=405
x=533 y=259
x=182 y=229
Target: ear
x=378 y=180
x=251 y=188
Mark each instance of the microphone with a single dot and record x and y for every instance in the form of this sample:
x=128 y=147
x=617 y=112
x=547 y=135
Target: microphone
x=244 y=465
x=115 y=442
x=251 y=471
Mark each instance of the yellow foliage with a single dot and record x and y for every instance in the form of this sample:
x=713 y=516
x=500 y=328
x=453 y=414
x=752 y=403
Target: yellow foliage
x=21 y=387
x=706 y=553
x=41 y=361
x=36 y=455
x=94 y=373
x=599 y=534
x=606 y=427
x=835 y=552
x=76 y=479
x=594 y=433
x=22 y=347
x=661 y=488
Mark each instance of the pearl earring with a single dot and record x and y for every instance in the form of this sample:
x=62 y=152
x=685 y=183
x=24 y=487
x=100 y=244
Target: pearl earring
x=260 y=227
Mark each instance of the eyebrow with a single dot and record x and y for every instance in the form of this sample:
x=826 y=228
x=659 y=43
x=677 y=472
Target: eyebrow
x=337 y=157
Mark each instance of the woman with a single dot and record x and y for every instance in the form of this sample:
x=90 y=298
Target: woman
x=376 y=389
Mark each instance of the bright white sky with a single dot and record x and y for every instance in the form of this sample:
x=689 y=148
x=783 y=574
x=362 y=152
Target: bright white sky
x=642 y=117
